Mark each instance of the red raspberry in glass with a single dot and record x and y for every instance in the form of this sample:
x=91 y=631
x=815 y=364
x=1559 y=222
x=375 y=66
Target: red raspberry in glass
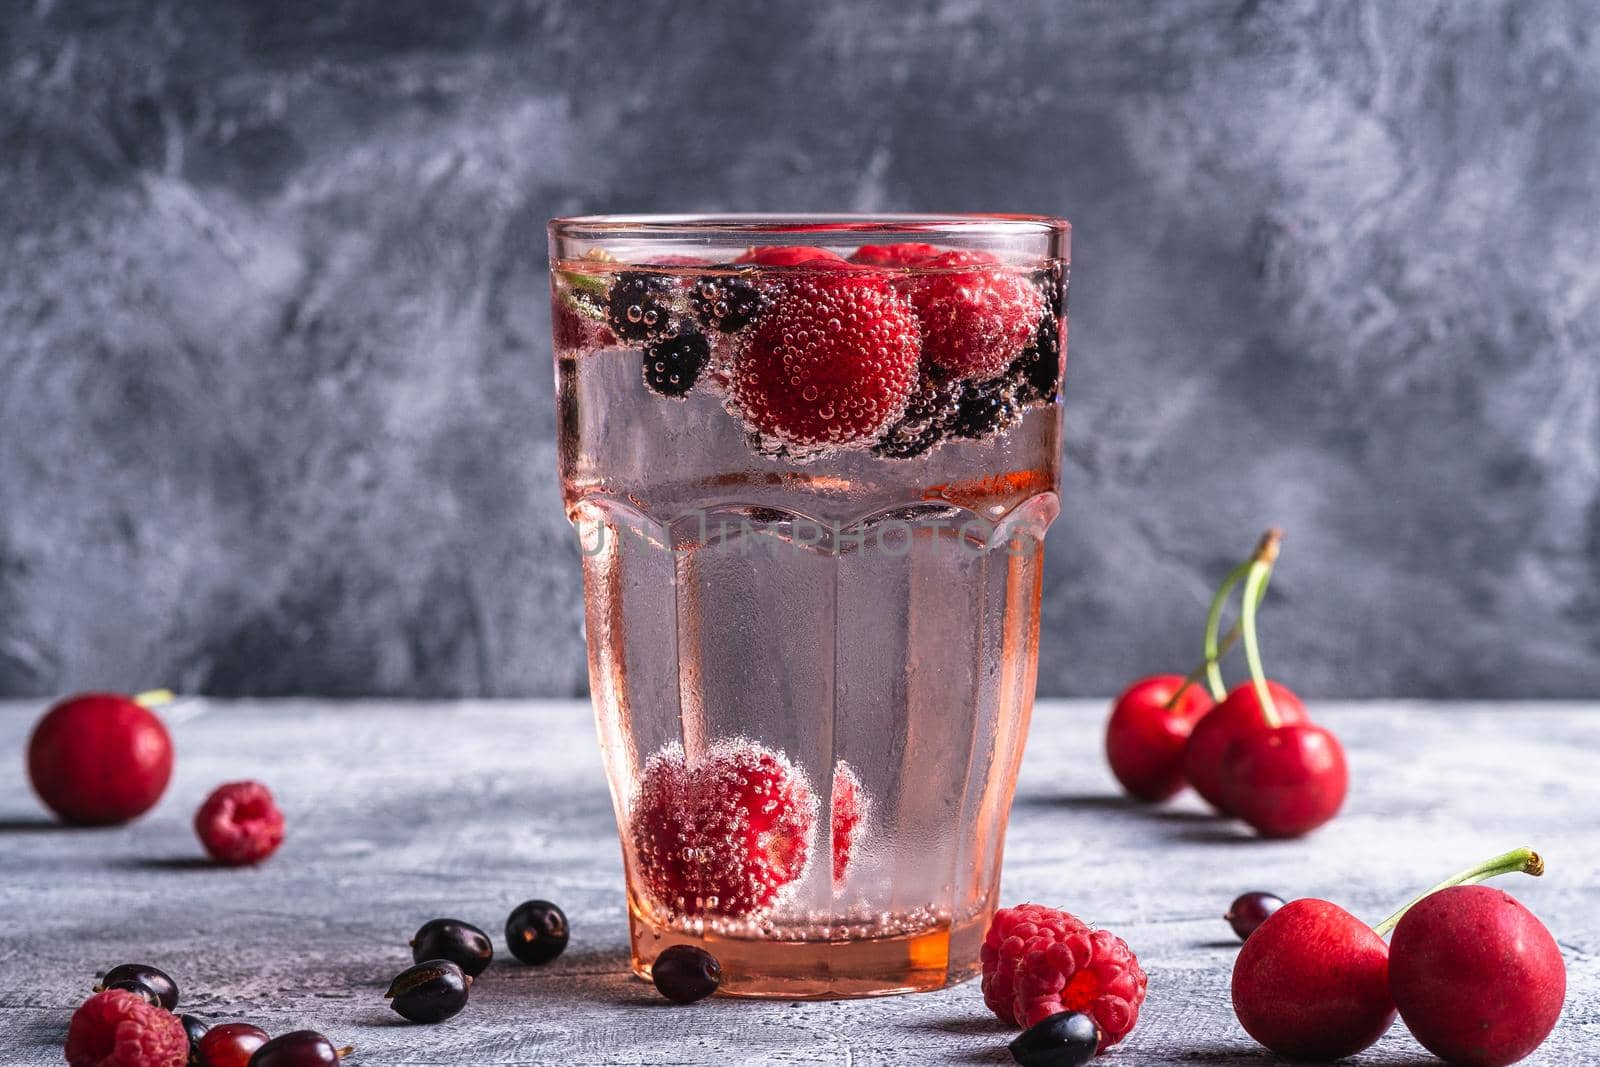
x=849 y=819
x=831 y=362
x=240 y=824
x=792 y=256
x=976 y=320
x=725 y=836
x=120 y=1029
x=900 y=255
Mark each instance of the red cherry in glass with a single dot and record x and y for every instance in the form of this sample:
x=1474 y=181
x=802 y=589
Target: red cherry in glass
x=1478 y=979
x=1312 y=982
x=1145 y=738
x=229 y=1045
x=99 y=759
x=1285 y=782
x=1241 y=713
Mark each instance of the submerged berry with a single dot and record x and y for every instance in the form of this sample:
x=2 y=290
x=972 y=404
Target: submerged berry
x=638 y=306
x=725 y=836
x=430 y=992
x=684 y=974
x=791 y=256
x=725 y=302
x=832 y=362
x=537 y=932
x=1037 y=372
x=923 y=424
x=154 y=980
x=118 y=1029
x=230 y=1045
x=461 y=943
x=672 y=364
x=849 y=807
x=976 y=316
x=985 y=408
x=1066 y=1039
x=301 y=1048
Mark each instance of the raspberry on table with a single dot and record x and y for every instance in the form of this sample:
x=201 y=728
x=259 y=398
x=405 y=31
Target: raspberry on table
x=1010 y=934
x=725 y=836
x=976 y=315
x=119 y=1029
x=240 y=824
x=831 y=363
x=1075 y=968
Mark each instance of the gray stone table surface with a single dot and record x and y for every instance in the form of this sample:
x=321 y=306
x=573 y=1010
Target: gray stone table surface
x=402 y=812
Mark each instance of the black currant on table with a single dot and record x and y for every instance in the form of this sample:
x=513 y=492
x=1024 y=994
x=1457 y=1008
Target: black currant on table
x=430 y=992
x=301 y=1048
x=153 y=979
x=1065 y=1039
x=461 y=943
x=1250 y=910
x=537 y=932
x=685 y=973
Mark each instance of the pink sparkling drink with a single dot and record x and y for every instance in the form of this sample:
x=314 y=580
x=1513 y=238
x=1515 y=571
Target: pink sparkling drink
x=811 y=462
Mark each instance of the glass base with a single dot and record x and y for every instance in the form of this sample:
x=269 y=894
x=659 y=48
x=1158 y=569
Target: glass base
x=788 y=965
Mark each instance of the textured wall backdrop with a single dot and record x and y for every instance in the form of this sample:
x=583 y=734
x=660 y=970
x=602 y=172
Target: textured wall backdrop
x=275 y=395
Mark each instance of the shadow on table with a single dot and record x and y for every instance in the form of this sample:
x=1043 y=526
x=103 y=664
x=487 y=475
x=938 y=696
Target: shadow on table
x=168 y=863
x=40 y=824
x=1112 y=802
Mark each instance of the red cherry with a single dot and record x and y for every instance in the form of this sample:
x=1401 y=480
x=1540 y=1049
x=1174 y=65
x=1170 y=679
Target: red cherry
x=1312 y=983
x=99 y=759
x=230 y=1045
x=1477 y=977
x=1240 y=714
x=1145 y=738
x=1285 y=782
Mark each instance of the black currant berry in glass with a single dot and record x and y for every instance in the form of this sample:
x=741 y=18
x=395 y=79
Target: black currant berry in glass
x=684 y=974
x=536 y=932
x=461 y=943
x=430 y=992
x=1250 y=910
x=302 y=1048
x=195 y=1029
x=1065 y=1039
x=157 y=981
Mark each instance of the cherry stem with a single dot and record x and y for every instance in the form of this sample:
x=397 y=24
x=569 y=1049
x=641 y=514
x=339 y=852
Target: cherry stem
x=1255 y=585
x=1210 y=665
x=1199 y=673
x=154 y=698
x=1518 y=860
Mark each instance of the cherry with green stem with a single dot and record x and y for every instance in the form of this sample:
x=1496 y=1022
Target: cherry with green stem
x=1241 y=712
x=1312 y=982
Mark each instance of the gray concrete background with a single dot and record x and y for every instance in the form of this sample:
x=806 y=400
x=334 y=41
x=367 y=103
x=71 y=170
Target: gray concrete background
x=275 y=408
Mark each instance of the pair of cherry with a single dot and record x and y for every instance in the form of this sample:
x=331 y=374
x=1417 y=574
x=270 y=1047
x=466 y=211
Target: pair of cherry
x=1253 y=752
x=1475 y=976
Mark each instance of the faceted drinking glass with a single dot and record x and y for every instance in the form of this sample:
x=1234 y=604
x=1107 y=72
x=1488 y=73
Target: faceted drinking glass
x=811 y=461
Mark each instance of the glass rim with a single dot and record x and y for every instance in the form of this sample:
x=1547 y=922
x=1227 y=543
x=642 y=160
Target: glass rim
x=970 y=225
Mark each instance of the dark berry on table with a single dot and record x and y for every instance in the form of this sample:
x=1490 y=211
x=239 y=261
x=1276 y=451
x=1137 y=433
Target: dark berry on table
x=430 y=992
x=196 y=1029
x=638 y=306
x=117 y=1029
x=922 y=426
x=684 y=974
x=461 y=943
x=1250 y=910
x=229 y=1045
x=1066 y=1039
x=302 y=1048
x=726 y=303
x=985 y=408
x=138 y=989
x=152 y=979
x=672 y=364
x=537 y=932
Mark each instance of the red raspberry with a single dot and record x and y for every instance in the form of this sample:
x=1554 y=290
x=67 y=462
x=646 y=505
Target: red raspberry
x=791 y=256
x=849 y=819
x=831 y=363
x=1010 y=934
x=119 y=1029
x=99 y=759
x=725 y=836
x=901 y=255
x=975 y=321
x=240 y=824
